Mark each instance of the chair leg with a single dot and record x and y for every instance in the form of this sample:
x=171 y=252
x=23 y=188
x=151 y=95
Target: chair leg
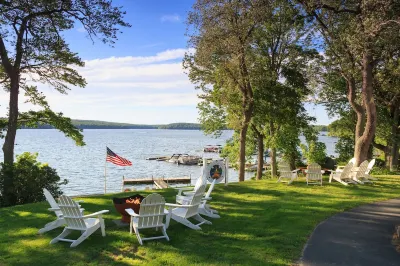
x=208 y=212
x=200 y=219
x=64 y=233
x=80 y=239
x=164 y=231
x=52 y=225
x=102 y=226
x=138 y=235
x=186 y=222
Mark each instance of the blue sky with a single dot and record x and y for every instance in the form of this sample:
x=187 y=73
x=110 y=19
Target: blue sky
x=141 y=79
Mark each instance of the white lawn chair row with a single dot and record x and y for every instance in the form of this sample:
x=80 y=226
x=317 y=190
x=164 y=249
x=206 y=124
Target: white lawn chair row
x=314 y=173
x=151 y=214
x=354 y=175
x=344 y=175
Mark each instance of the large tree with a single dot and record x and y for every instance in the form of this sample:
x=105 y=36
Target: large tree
x=33 y=49
x=357 y=34
x=222 y=34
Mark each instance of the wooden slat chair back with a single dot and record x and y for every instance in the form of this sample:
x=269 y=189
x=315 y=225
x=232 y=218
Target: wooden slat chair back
x=195 y=202
x=359 y=175
x=314 y=175
x=55 y=208
x=190 y=209
x=72 y=215
x=151 y=215
x=75 y=221
x=344 y=177
x=50 y=199
x=285 y=173
x=370 y=166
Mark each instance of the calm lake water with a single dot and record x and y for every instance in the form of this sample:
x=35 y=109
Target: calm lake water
x=84 y=166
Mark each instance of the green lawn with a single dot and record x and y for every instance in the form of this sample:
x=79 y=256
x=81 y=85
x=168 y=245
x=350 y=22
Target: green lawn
x=262 y=223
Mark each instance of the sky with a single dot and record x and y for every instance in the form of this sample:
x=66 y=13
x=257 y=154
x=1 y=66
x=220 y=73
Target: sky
x=140 y=80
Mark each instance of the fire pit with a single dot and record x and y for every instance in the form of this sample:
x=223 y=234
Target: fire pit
x=131 y=202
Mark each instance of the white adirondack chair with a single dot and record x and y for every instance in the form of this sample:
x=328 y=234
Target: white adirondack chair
x=359 y=173
x=204 y=208
x=75 y=221
x=340 y=168
x=314 y=174
x=285 y=174
x=187 y=191
x=54 y=207
x=344 y=177
x=151 y=215
x=189 y=209
x=369 y=168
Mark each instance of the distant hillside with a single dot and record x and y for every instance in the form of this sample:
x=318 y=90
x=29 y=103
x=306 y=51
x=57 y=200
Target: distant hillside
x=321 y=128
x=94 y=124
x=192 y=126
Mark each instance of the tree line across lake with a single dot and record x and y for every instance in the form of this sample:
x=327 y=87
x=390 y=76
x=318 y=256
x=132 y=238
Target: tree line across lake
x=95 y=124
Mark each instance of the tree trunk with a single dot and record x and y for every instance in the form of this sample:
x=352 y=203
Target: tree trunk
x=394 y=152
x=9 y=142
x=274 y=170
x=242 y=151
x=9 y=195
x=260 y=161
x=363 y=142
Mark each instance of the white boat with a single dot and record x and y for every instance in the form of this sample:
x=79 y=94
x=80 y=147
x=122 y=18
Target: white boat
x=213 y=148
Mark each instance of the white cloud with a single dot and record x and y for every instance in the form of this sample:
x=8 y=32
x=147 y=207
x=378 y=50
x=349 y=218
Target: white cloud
x=148 y=89
x=170 y=18
x=81 y=29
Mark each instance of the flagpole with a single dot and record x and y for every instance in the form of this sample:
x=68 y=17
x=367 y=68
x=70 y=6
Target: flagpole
x=105 y=174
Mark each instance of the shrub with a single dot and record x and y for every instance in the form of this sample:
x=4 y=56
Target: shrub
x=29 y=177
x=315 y=152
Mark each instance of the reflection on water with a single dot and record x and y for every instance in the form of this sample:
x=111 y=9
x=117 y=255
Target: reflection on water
x=84 y=166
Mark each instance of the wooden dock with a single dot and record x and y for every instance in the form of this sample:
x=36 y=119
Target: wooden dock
x=151 y=180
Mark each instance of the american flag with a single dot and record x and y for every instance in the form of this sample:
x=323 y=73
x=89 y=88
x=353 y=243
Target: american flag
x=115 y=159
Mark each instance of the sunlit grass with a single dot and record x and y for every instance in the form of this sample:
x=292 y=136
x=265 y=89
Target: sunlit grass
x=262 y=223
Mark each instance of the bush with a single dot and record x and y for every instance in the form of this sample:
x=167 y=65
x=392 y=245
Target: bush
x=26 y=179
x=315 y=152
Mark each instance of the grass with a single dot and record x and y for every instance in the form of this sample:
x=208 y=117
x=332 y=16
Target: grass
x=262 y=223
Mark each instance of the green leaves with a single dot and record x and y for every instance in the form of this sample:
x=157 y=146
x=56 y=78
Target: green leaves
x=57 y=120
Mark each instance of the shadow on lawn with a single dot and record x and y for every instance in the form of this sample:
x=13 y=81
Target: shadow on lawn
x=261 y=223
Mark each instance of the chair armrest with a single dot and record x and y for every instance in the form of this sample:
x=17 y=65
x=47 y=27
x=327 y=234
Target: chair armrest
x=177 y=205
x=184 y=188
x=295 y=170
x=207 y=198
x=131 y=212
x=96 y=214
x=79 y=201
x=54 y=209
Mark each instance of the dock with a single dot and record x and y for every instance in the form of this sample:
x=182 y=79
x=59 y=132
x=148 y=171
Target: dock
x=160 y=180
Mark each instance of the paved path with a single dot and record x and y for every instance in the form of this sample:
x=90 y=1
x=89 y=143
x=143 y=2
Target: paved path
x=361 y=236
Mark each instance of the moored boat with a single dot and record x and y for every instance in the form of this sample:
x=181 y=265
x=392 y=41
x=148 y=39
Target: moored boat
x=213 y=148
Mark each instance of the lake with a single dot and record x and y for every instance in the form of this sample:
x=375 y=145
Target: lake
x=84 y=166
